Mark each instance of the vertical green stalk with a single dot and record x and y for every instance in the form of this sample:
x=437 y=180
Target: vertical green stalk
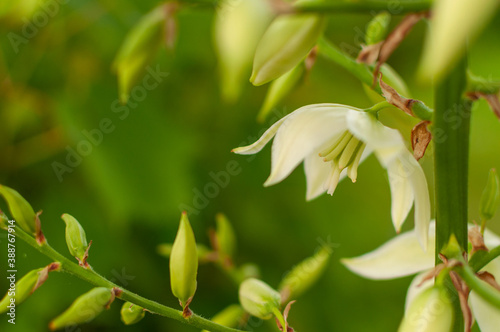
x=451 y=142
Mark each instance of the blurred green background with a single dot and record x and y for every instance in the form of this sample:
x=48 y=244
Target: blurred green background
x=128 y=192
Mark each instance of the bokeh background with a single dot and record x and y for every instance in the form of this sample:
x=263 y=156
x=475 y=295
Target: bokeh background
x=128 y=193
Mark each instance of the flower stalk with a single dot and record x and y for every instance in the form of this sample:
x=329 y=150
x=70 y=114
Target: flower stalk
x=451 y=143
x=96 y=279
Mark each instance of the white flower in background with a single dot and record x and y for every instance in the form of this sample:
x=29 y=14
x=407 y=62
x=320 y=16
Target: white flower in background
x=402 y=256
x=332 y=140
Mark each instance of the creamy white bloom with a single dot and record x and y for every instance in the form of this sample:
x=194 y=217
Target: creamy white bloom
x=332 y=140
x=402 y=256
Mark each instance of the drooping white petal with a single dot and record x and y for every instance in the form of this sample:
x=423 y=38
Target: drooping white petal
x=399 y=257
x=418 y=182
x=305 y=130
x=417 y=287
x=386 y=142
x=263 y=140
x=487 y=315
x=401 y=194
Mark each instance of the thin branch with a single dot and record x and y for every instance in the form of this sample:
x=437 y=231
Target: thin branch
x=96 y=279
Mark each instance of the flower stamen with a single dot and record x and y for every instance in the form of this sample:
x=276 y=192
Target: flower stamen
x=344 y=152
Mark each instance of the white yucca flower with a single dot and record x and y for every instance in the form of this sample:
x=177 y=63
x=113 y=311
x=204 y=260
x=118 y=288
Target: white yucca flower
x=332 y=140
x=402 y=256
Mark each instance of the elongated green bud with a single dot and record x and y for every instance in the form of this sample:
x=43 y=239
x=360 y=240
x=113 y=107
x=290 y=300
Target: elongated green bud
x=230 y=316
x=131 y=313
x=431 y=311
x=76 y=239
x=20 y=209
x=285 y=44
x=377 y=28
x=279 y=89
x=226 y=239
x=85 y=308
x=304 y=275
x=184 y=263
x=138 y=49
x=19 y=291
x=491 y=196
x=205 y=254
x=239 y=25
x=454 y=24
x=259 y=299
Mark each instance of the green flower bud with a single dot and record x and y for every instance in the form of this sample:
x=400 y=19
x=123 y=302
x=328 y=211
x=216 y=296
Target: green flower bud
x=85 y=308
x=491 y=196
x=25 y=286
x=205 y=255
x=377 y=28
x=20 y=209
x=391 y=78
x=431 y=311
x=285 y=44
x=131 y=313
x=238 y=28
x=259 y=299
x=454 y=24
x=226 y=239
x=279 y=89
x=138 y=49
x=304 y=275
x=230 y=316
x=76 y=239
x=184 y=263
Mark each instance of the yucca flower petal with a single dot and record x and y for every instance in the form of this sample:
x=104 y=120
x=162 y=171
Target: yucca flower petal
x=399 y=257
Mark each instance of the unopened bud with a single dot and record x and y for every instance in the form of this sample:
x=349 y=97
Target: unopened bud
x=491 y=196
x=226 y=239
x=25 y=286
x=184 y=263
x=76 y=239
x=131 y=313
x=229 y=317
x=259 y=299
x=239 y=25
x=285 y=44
x=279 y=89
x=377 y=28
x=20 y=209
x=304 y=275
x=430 y=311
x=138 y=48
x=85 y=308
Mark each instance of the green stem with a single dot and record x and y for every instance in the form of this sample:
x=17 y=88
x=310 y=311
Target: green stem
x=335 y=7
x=481 y=258
x=484 y=290
x=451 y=146
x=94 y=278
x=359 y=70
